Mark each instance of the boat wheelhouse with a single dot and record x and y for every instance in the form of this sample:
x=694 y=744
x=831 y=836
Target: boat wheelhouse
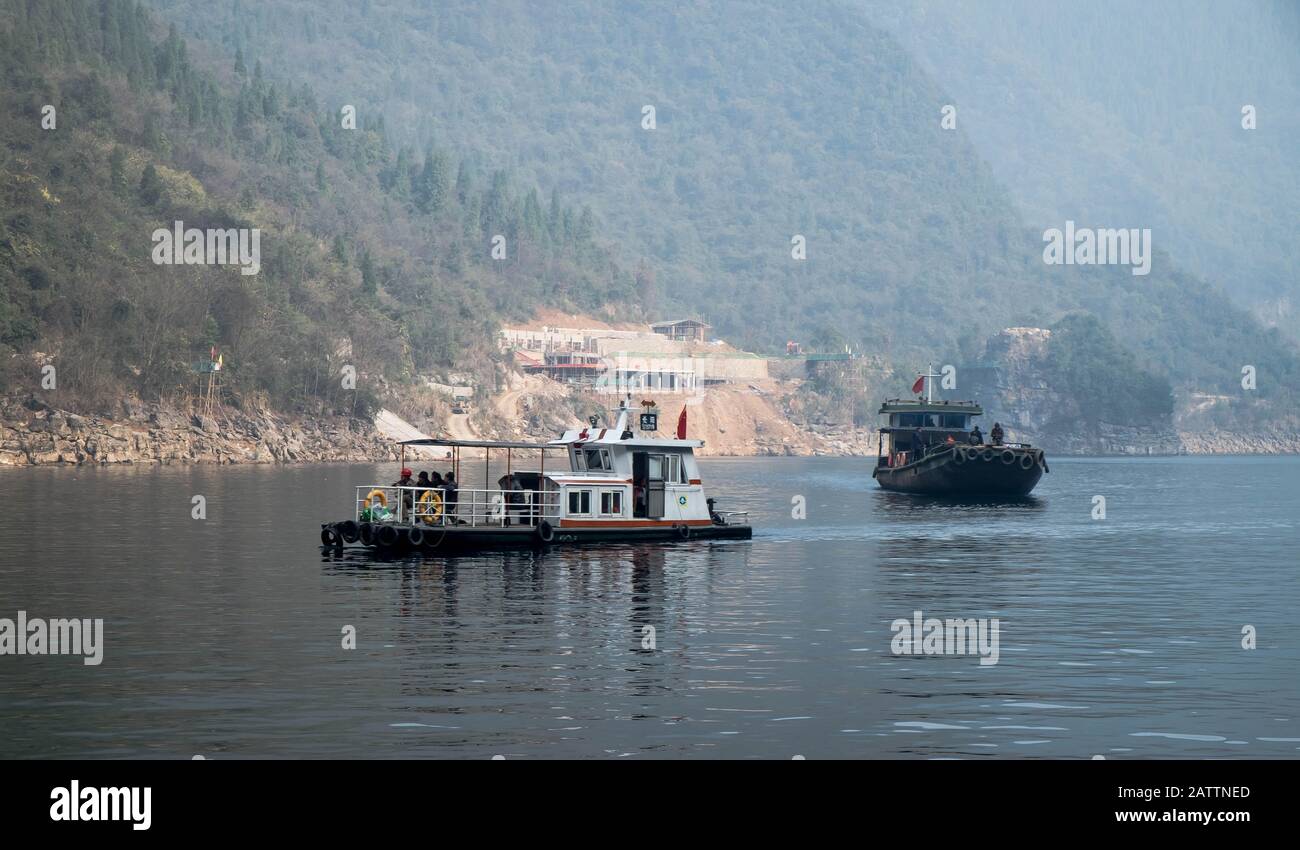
x=590 y=484
x=931 y=446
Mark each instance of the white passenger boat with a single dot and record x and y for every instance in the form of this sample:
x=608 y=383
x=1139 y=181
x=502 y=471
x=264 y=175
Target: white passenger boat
x=608 y=484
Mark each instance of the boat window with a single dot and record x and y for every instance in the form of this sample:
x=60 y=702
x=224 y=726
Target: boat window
x=611 y=502
x=954 y=420
x=681 y=467
x=655 y=467
x=579 y=464
x=579 y=502
x=596 y=459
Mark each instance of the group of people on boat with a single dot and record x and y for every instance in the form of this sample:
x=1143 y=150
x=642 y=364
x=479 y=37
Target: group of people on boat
x=977 y=436
x=444 y=486
x=515 y=498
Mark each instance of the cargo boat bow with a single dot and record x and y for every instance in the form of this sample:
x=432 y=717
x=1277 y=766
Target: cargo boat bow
x=930 y=447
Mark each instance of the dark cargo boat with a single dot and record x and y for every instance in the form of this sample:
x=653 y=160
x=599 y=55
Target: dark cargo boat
x=928 y=447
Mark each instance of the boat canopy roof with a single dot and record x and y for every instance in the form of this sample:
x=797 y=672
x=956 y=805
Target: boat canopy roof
x=613 y=437
x=475 y=444
x=899 y=405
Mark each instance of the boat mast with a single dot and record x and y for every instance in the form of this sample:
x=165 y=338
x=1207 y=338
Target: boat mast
x=929 y=383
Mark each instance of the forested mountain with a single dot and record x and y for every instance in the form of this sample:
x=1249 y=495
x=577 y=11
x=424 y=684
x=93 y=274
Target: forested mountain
x=1119 y=113
x=767 y=125
x=484 y=118
x=370 y=256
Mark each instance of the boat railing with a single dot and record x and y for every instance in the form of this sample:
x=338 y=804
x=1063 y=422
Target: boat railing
x=471 y=506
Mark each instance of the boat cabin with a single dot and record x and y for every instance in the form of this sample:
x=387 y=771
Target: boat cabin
x=916 y=425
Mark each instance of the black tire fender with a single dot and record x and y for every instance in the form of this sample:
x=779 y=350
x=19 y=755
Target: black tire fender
x=387 y=536
x=330 y=537
x=415 y=536
x=348 y=530
x=545 y=532
x=366 y=533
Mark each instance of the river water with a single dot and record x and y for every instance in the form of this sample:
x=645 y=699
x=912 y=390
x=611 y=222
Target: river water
x=1120 y=637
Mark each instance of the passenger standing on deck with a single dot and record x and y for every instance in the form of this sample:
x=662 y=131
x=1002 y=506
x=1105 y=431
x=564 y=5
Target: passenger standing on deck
x=519 y=496
x=996 y=433
x=976 y=436
x=452 y=498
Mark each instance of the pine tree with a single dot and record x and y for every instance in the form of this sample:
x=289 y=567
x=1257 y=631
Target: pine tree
x=555 y=217
x=534 y=225
x=586 y=226
x=151 y=186
x=464 y=183
x=117 y=170
x=369 y=281
x=430 y=189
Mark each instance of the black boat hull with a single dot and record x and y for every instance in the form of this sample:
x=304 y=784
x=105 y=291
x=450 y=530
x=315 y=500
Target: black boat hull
x=467 y=538
x=968 y=471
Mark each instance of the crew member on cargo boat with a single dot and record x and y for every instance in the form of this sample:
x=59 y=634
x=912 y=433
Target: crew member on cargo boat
x=976 y=436
x=996 y=433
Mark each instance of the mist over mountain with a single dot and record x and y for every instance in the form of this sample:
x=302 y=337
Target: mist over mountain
x=823 y=124
x=1127 y=114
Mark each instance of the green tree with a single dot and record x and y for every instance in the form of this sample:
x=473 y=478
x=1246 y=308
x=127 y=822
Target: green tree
x=151 y=186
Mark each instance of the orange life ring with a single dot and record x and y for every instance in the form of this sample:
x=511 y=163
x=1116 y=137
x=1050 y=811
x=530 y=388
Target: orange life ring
x=428 y=498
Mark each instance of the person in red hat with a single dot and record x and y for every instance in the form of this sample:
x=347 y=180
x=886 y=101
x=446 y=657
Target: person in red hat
x=408 y=496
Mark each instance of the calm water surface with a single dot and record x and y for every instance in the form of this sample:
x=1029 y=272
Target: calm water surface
x=1120 y=637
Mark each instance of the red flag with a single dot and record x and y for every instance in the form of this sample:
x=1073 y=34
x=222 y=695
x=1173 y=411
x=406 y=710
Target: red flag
x=681 y=424
x=919 y=385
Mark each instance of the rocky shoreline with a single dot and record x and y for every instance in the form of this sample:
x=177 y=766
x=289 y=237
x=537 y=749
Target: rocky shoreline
x=33 y=433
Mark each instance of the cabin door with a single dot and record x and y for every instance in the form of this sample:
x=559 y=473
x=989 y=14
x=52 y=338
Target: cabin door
x=648 y=485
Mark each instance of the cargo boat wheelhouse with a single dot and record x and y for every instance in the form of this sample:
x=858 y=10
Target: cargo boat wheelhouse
x=607 y=484
x=926 y=446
